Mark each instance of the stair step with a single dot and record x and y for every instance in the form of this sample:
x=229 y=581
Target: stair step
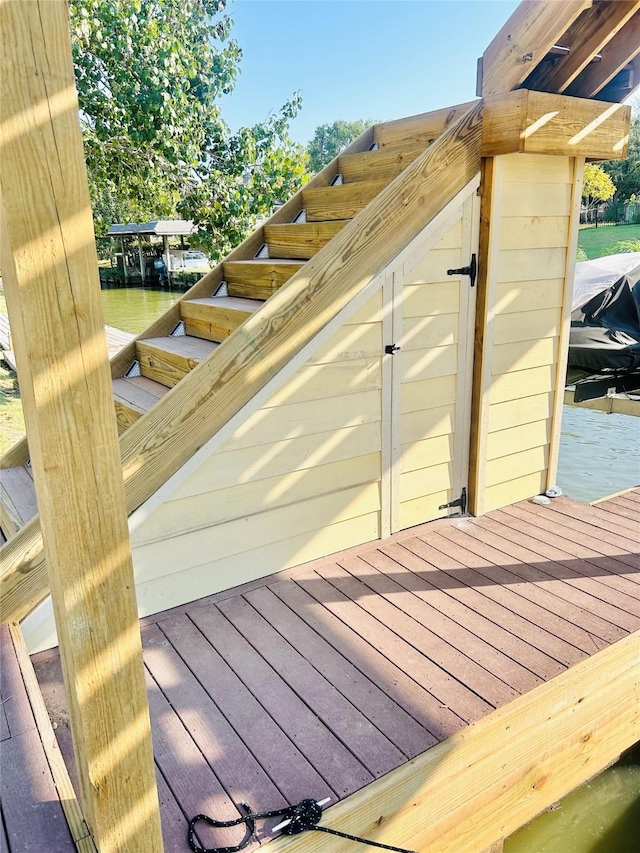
x=381 y=165
x=17 y=499
x=258 y=278
x=339 y=202
x=214 y=318
x=168 y=360
x=133 y=397
x=300 y=240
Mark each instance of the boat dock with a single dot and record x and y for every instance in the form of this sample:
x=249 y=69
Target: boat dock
x=116 y=339
x=389 y=668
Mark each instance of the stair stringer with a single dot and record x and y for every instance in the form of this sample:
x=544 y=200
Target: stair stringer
x=158 y=444
x=298 y=473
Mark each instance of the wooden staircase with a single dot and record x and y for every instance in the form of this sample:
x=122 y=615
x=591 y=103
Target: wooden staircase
x=159 y=363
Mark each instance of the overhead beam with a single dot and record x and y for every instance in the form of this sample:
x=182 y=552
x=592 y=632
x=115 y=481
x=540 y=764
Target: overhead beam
x=524 y=41
x=542 y=123
x=50 y=273
x=624 y=84
x=618 y=53
x=587 y=37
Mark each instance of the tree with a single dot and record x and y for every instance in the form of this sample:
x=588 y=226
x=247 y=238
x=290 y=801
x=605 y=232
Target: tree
x=149 y=75
x=626 y=173
x=329 y=139
x=597 y=186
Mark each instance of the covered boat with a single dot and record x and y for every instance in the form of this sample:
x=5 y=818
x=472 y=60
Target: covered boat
x=604 y=342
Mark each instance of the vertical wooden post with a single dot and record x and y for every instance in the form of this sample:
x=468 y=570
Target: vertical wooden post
x=141 y=258
x=125 y=272
x=50 y=273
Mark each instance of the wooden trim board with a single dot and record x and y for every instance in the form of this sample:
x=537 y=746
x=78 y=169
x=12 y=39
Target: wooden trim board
x=488 y=780
x=68 y=800
x=565 y=326
x=543 y=123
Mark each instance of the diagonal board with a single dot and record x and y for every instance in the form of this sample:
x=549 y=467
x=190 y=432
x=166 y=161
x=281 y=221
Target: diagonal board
x=158 y=444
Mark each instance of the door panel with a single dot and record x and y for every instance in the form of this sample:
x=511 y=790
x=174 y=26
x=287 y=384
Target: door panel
x=433 y=323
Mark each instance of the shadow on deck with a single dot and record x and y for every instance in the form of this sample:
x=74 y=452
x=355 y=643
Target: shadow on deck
x=317 y=681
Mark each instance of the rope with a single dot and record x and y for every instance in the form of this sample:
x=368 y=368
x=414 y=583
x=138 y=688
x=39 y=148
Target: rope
x=303 y=817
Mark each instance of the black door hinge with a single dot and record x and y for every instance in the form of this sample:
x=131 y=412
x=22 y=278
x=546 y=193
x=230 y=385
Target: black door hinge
x=461 y=502
x=391 y=349
x=471 y=270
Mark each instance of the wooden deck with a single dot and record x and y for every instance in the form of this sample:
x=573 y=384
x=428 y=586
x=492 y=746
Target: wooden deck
x=319 y=680
x=30 y=811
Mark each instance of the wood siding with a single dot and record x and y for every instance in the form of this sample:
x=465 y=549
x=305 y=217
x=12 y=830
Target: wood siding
x=433 y=376
x=300 y=478
x=533 y=200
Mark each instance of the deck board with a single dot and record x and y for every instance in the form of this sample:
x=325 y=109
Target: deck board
x=318 y=680
x=31 y=810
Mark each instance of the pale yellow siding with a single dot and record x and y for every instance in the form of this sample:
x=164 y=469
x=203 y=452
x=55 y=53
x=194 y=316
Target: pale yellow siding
x=300 y=478
x=533 y=196
x=429 y=376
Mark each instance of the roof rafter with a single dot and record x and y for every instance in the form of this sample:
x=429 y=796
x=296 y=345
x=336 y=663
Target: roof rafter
x=618 y=53
x=524 y=41
x=587 y=36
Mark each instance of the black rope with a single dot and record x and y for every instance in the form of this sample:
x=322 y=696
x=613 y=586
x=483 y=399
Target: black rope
x=304 y=816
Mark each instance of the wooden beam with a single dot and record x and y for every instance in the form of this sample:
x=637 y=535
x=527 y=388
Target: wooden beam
x=542 y=123
x=488 y=251
x=524 y=41
x=487 y=781
x=159 y=443
x=618 y=53
x=51 y=282
x=624 y=84
x=588 y=36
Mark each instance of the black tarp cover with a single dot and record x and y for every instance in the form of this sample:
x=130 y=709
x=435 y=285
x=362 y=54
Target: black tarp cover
x=605 y=329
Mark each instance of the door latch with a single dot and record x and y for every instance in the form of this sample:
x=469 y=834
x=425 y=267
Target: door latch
x=471 y=270
x=391 y=349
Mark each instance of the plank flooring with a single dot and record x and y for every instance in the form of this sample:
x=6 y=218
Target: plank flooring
x=318 y=680
x=31 y=817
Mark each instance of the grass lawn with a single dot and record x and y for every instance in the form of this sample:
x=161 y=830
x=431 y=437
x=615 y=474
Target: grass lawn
x=596 y=241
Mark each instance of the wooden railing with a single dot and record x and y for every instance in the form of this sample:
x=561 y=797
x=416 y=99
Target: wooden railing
x=161 y=441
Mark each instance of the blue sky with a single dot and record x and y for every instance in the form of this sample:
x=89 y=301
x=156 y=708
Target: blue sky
x=351 y=59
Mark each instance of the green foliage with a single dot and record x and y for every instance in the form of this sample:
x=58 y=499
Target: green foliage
x=329 y=139
x=623 y=246
x=597 y=185
x=149 y=74
x=581 y=255
x=626 y=173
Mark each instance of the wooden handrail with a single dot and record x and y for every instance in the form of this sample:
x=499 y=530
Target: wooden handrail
x=435 y=122
x=162 y=440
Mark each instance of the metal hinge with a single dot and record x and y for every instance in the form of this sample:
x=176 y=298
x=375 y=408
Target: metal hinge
x=391 y=349
x=471 y=270
x=461 y=502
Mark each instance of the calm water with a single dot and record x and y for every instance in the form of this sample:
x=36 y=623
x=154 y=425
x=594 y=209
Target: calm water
x=132 y=309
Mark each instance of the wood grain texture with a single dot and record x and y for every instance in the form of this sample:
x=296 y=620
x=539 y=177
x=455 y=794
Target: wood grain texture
x=620 y=51
x=523 y=42
x=246 y=251
x=422 y=128
x=258 y=279
x=300 y=240
x=585 y=38
x=215 y=319
x=52 y=288
x=340 y=202
x=544 y=123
